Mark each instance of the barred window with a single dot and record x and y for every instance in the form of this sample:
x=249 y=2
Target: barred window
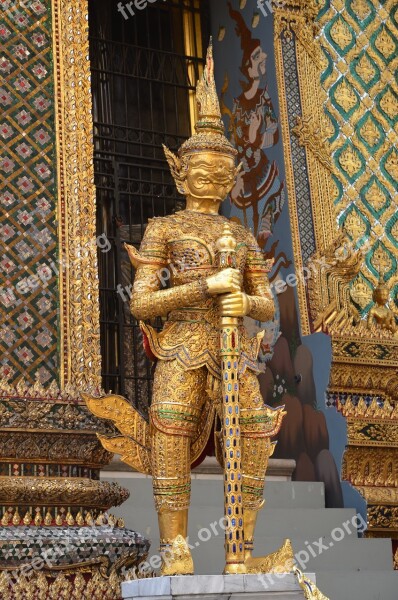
x=145 y=67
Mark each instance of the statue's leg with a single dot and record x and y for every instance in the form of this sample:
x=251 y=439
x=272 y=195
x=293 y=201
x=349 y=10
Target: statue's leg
x=175 y=412
x=256 y=450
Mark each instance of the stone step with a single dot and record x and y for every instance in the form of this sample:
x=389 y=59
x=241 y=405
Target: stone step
x=357 y=554
x=358 y=585
x=302 y=523
x=209 y=492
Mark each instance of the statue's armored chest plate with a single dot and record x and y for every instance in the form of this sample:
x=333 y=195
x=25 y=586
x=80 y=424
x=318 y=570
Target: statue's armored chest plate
x=191 y=244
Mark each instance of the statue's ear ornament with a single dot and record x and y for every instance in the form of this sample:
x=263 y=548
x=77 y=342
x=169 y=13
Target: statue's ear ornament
x=175 y=168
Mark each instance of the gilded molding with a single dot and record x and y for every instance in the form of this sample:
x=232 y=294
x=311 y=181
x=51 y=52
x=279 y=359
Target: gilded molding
x=60 y=491
x=80 y=360
x=295 y=21
x=51 y=448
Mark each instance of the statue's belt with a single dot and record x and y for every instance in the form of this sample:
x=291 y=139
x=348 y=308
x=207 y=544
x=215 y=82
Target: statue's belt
x=196 y=315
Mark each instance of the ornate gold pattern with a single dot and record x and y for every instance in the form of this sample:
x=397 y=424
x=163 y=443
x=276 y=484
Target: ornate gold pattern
x=60 y=491
x=350 y=145
x=280 y=561
x=294 y=20
x=218 y=272
x=79 y=309
x=58 y=516
x=84 y=582
x=311 y=592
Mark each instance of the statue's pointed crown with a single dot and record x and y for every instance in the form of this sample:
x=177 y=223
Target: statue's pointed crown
x=209 y=127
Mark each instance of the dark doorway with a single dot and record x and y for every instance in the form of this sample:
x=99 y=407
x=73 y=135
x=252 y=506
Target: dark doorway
x=144 y=72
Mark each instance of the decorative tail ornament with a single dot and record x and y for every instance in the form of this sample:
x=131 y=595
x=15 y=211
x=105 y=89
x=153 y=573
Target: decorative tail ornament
x=133 y=445
x=311 y=592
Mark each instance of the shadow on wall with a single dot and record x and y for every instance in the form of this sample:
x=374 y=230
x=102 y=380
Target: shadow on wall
x=258 y=201
x=304 y=435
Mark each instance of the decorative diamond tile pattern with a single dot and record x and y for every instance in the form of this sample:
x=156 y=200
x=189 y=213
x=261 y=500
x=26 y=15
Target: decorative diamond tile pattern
x=360 y=37
x=303 y=196
x=28 y=292
x=62 y=546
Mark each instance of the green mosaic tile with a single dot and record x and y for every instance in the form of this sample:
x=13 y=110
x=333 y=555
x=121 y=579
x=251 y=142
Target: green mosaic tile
x=370 y=132
x=350 y=161
x=381 y=260
x=345 y=42
x=344 y=92
x=363 y=13
x=392 y=229
x=365 y=70
x=384 y=43
x=375 y=197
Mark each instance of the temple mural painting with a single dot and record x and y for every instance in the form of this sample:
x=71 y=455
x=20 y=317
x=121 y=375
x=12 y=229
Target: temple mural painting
x=250 y=107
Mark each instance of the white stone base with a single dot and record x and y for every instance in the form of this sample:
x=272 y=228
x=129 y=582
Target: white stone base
x=215 y=587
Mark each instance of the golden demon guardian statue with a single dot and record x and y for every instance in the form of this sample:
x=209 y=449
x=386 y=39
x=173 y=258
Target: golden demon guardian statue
x=215 y=283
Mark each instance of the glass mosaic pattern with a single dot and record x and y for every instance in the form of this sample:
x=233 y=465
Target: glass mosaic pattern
x=360 y=40
x=28 y=229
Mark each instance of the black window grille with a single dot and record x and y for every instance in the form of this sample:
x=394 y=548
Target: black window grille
x=143 y=78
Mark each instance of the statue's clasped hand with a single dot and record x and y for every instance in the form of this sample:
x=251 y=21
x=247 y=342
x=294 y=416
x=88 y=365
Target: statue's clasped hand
x=236 y=304
x=227 y=285
x=224 y=282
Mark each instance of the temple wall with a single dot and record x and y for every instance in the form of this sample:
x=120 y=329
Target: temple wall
x=330 y=81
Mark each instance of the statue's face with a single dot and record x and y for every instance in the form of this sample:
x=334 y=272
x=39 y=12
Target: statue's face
x=210 y=176
x=258 y=63
x=382 y=295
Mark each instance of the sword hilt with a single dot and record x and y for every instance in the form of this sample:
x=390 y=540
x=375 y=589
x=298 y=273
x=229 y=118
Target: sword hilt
x=226 y=249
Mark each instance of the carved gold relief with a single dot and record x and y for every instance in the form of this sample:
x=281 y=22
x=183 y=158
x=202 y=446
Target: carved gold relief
x=80 y=582
x=346 y=96
x=60 y=491
x=361 y=293
x=361 y=8
x=79 y=308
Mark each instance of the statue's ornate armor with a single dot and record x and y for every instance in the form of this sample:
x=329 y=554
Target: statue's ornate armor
x=180 y=250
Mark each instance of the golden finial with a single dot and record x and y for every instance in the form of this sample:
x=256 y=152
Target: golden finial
x=48 y=518
x=100 y=519
x=79 y=519
x=209 y=136
x=120 y=523
x=226 y=242
x=69 y=518
x=58 y=519
x=27 y=518
x=38 y=518
x=16 y=518
x=207 y=98
x=5 y=518
x=89 y=519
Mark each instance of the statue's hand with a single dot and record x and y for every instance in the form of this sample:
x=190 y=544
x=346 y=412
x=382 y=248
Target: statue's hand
x=227 y=280
x=236 y=304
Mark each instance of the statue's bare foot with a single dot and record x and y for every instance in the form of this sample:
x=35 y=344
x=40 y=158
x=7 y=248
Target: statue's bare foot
x=280 y=561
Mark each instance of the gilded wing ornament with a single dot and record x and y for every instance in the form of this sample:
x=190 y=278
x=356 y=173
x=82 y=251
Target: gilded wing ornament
x=133 y=445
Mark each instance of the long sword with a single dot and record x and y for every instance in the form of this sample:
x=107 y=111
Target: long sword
x=229 y=355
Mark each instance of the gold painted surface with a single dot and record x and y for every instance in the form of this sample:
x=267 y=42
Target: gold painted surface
x=280 y=561
x=347 y=129
x=80 y=362
x=311 y=592
x=60 y=491
x=215 y=276
x=79 y=582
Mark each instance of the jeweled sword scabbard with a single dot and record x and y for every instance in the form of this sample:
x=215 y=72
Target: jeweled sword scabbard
x=229 y=355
